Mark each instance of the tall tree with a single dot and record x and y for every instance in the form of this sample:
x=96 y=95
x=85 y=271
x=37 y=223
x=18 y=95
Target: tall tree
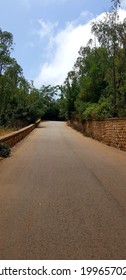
x=107 y=35
x=6 y=46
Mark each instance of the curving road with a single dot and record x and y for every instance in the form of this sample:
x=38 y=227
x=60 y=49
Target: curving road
x=62 y=196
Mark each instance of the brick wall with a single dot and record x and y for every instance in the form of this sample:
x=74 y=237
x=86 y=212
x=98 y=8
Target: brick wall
x=111 y=131
x=14 y=137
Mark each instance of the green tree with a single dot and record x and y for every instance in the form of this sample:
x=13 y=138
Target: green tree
x=109 y=32
x=51 y=106
x=6 y=46
x=70 y=90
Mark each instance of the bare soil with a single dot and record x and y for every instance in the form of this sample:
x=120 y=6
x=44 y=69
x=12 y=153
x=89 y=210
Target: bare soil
x=4 y=131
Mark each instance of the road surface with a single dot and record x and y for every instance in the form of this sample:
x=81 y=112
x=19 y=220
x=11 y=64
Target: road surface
x=62 y=196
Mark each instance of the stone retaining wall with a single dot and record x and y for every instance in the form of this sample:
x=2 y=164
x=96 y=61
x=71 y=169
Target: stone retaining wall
x=14 y=137
x=111 y=131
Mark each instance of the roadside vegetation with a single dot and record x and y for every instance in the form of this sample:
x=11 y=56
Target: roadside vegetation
x=94 y=89
x=96 y=86
x=20 y=102
x=4 y=150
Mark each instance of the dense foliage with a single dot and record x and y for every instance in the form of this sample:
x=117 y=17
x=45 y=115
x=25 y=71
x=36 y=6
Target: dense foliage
x=4 y=150
x=20 y=102
x=96 y=86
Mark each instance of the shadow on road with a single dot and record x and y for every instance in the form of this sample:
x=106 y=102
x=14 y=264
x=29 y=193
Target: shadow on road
x=41 y=126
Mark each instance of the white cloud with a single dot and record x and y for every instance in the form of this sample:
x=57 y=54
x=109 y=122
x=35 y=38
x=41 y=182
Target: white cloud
x=123 y=4
x=46 y=28
x=122 y=14
x=64 y=48
x=86 y=15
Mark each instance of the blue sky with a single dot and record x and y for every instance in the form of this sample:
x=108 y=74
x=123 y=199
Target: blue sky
x=49 y=33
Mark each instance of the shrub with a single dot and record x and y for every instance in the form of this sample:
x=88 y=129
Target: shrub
x=4 y=150
x=91 y=112
x=99 y=111
x=106 y=109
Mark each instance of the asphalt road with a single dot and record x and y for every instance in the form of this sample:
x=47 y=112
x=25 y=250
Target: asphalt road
x=62 y=196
